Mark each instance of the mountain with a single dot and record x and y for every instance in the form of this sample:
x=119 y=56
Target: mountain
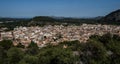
x=113 y=16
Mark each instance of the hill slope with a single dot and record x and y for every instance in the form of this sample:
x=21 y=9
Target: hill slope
x=113 y=16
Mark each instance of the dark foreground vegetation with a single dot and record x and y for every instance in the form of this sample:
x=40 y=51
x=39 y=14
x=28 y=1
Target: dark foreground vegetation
x=98 y=50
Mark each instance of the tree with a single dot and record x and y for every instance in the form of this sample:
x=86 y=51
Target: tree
x=56 y=55
x=14 y=55
x=73 y=45
x=32 y=48
x=93 y=52
x=112 y=44
x=95 y=37
x=28 y=59
x=114 y=47
x=106 y=38
x=6 y=44
x=2 y=55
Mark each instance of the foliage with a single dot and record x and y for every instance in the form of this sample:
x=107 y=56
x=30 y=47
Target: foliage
x=32 y=49
x=56 y=55
x=93 y=52
x=2 y=55
x=28 y=59
x=14 y=55
x=6 y=44
x=98 y=50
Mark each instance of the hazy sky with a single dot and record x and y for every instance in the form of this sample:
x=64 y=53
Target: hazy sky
x=66 y=8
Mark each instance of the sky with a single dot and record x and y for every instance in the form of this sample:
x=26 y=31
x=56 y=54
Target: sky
x=59 y=8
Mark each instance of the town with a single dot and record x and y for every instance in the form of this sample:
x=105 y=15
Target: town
x=57 y=33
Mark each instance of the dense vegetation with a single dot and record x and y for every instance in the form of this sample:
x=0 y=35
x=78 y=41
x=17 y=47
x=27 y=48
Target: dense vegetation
x=98 y=50
x=47 y=20
x=112 y=18
x=11 y=23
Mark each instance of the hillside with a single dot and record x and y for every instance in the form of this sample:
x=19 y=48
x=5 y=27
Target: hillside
x=113 y=16
x=48 y=20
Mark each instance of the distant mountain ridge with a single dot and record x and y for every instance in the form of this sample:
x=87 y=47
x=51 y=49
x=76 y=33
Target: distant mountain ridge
x=112 y=18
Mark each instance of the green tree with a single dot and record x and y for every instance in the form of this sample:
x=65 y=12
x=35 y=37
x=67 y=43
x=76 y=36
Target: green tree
x=6 y=44
x=32 y=49
x=112 y=44
x=106 y=38
x=2 y=55
x=28 y=59
x=14 y=55
x=56 y=55
x=93 y=52
x=73 y=45
x=114 y=47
